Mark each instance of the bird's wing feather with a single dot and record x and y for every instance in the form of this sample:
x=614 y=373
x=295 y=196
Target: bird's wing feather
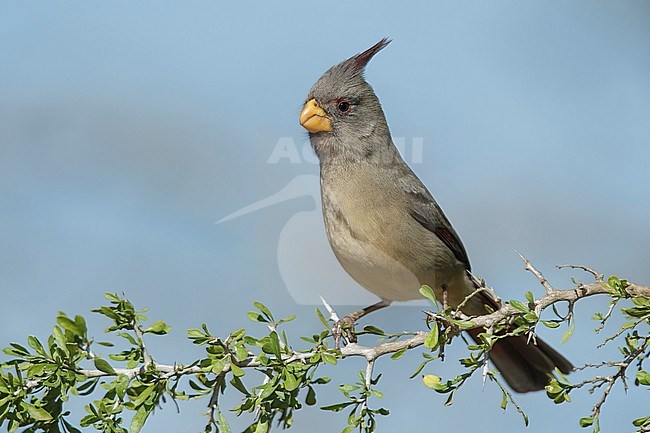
x=424 y=209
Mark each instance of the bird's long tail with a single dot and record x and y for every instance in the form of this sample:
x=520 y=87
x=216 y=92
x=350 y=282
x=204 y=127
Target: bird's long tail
x=525 y=365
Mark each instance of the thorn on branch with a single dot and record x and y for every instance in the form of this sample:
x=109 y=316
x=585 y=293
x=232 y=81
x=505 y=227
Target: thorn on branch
x=529 y=267
x=333 y=316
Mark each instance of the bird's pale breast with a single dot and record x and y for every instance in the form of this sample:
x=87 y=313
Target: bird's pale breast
x=375 y=239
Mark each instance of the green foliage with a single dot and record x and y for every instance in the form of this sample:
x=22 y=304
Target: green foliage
x=634 y=346
x=360 y=417
x=127 y=383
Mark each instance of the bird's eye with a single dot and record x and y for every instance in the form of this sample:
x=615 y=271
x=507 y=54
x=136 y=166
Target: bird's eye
x=344 y=106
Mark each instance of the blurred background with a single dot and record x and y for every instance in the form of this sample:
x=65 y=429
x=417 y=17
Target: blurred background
x=128 y=130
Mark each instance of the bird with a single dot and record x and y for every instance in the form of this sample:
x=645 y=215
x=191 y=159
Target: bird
x=384 y=226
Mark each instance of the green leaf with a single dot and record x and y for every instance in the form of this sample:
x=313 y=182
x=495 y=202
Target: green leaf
x=519 y=306
x=159 y=328
x=121 y=384
x=218 y=365
x=586 y=422
x=450 y=399
x=138 y=399
x=310 y=400
x=139 y=419
x=398 y=354
x=642 y=422
x=59 y=337
x=264 y=310
x=241 y=353
x=236 y=370
x=103 y=365
x=613 y=281
x=70 y=427
x=35 y=344
x=348 y=387
x=504 y=400
x=238 y=334
x=287 y=319
x=420 y=368
x=81 y=324
x=195 y=333
x=12 y=426
x=529 y=297
x=643 y=377
x=39 y=414
x=291 y=382
x=275 y=344
x=239 y=385
x=322 y=380
x=322 y=318
x=431 y=381
x=373 y=330
x=337 y=407
x=113 y=297
x=431 y=342
x=254 y=316
x=128 y=337
x=427 y=292
x=222 y=423
x=462 y=324
x=569 y=332
x=68 y=324
x=550 y=323
x=262 y=427
x=16 y=350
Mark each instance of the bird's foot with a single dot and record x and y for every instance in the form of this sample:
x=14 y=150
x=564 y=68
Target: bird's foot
x=344 y=328
x=445 y=297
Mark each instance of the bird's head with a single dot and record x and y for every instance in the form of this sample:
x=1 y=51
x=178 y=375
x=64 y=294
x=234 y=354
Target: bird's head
x=342 y=113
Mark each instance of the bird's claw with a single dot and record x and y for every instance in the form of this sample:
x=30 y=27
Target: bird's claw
x=344 y=328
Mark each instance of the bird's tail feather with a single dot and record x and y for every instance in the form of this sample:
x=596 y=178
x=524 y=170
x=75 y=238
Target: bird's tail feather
x=524 y=365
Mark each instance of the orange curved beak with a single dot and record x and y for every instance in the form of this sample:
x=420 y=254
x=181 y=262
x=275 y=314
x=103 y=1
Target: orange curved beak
x=314 y=119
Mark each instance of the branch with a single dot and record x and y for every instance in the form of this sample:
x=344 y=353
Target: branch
x=507 y=311
x=287 y=371
x=371 y=353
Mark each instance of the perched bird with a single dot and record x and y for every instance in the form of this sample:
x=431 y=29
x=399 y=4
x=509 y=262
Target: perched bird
x=385 y=227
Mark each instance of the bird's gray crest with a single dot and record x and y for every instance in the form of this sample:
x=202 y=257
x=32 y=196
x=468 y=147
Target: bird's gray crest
x=359 y=61
x=347 y=73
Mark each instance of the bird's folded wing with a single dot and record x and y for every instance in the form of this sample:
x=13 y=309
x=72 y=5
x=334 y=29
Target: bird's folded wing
x=424 y=209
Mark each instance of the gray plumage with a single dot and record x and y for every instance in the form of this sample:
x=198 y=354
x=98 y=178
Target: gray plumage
x=385 y=227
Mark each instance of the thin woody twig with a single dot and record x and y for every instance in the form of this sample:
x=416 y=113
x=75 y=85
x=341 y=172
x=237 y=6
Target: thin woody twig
x=529 y=267
x=598 y=277
x=620 y=374
x=148 y=360
x=214 y=398
x=373 y=352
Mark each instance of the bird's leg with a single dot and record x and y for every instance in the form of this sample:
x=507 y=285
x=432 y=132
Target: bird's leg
x=345 y=327
x=445 y=297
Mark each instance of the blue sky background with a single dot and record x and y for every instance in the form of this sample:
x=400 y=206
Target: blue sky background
x=128 y=129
